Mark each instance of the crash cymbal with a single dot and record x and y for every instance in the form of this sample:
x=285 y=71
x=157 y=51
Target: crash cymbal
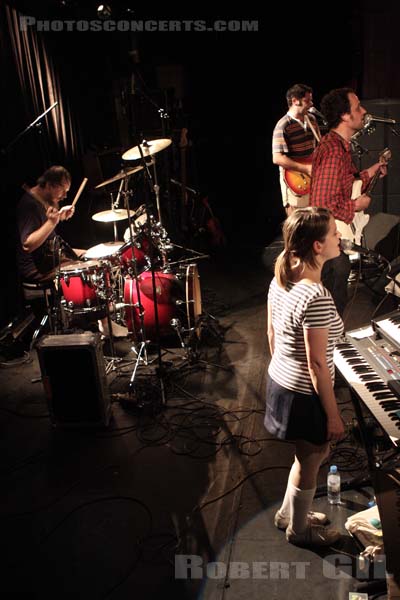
x=107 y=216
x=148 y=148
x=123 y=173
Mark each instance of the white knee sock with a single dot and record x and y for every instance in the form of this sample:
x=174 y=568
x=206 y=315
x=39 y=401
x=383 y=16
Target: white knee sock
x=285 y=508
x=300 y=504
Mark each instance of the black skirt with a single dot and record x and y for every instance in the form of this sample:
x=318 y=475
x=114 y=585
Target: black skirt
x=294 y=416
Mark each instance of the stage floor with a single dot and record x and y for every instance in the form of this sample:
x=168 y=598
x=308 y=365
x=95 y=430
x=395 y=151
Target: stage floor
x=160 y=502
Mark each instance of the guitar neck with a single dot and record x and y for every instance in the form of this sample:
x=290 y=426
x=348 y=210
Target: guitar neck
x=384 y=158
x=372 y=183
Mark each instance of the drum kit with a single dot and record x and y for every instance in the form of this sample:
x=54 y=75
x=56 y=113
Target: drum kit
x=133 y=282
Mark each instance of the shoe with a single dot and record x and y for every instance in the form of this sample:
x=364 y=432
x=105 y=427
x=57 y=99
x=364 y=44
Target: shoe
x=118 y=331
x=315 y=518
x=314 y=535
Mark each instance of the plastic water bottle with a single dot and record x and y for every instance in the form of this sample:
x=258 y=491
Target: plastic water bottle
x=333 y=485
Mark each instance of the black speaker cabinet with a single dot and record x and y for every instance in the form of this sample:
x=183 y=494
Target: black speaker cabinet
x=382 y=233
x=74 y=379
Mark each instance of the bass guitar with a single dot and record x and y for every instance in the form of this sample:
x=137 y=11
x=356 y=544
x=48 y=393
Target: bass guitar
x=353 y=231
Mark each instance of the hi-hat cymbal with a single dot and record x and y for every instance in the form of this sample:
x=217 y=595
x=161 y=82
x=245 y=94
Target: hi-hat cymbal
x=148 y=148
x=123 y=173
x=107 y=216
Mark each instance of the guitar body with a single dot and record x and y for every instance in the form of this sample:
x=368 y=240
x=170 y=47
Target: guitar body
x=298 y=182
x=213 y=227
x=354 y=230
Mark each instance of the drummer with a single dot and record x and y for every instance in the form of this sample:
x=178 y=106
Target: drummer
x=38 y=214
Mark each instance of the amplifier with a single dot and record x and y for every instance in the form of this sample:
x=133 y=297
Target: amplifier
x=74 y=379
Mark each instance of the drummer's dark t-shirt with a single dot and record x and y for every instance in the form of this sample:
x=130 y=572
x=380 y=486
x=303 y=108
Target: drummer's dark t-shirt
x=31 y=215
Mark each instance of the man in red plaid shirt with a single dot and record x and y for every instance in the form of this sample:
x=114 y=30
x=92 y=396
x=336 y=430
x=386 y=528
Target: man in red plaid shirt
x=333 y=176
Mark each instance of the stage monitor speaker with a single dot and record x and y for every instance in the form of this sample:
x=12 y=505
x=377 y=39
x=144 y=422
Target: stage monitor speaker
x=74 y=379
x=271 y=253
x=386 y=482
x=382 y=234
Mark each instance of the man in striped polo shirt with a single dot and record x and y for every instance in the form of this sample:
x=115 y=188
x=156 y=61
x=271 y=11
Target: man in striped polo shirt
x=293 y=141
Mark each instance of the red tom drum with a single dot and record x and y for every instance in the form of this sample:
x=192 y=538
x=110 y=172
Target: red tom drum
x=83 y=285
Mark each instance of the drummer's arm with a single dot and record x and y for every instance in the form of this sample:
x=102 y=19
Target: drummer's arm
x=80 y=252
x=40 y=235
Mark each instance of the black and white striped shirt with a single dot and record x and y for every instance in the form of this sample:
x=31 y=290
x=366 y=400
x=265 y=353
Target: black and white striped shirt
x=297 y=307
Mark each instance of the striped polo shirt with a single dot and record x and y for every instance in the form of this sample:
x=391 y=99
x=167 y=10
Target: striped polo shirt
x=297 y=307
x=290 y=138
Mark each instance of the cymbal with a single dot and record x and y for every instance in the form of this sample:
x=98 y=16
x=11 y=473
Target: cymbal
x=148 y=148
x=107 y=216
x=123 y=173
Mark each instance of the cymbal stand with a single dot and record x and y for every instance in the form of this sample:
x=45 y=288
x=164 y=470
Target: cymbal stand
x=156 y=188
x=115 y=205
x=112 y=359
x=148 y=189
x=141 y=354
x=153 y=187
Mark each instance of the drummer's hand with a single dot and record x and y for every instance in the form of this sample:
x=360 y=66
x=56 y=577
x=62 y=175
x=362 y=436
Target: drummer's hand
x=66 y=212
x=53 y=215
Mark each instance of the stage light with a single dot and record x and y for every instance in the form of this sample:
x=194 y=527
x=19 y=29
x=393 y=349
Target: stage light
x=104 y=11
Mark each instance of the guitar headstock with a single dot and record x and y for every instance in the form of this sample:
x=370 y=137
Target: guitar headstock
x=183 y=142
x=385 y=156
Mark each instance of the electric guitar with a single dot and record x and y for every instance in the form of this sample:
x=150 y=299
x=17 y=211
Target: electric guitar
x=353 y=231
x=213 y=227
x=298 y=182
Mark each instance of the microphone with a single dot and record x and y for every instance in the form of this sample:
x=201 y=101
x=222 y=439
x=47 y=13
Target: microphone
x=368 y=118
x=319 y=114
x=348 y=245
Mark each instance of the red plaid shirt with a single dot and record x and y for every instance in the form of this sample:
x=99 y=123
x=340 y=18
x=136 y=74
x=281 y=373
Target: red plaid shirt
x=333 y=174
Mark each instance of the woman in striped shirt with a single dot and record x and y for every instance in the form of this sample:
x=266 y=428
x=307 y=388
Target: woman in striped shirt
x=303 y=326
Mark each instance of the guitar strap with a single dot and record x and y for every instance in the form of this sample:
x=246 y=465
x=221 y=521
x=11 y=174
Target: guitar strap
x=311 y=126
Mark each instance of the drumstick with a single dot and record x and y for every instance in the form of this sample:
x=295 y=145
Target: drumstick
x=79 y=192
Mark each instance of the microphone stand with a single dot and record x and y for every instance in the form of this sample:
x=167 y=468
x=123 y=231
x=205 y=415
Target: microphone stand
x=22 y=133
x=164 y=117
x=357 y=148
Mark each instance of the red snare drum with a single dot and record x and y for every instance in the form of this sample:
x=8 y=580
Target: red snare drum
x=178 y=297
x=83 y=286
x=104 y=252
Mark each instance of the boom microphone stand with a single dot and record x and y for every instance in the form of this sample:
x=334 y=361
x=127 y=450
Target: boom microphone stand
x=22 y=133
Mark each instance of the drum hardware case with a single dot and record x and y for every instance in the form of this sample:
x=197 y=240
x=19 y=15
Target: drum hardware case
x=74 y=379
